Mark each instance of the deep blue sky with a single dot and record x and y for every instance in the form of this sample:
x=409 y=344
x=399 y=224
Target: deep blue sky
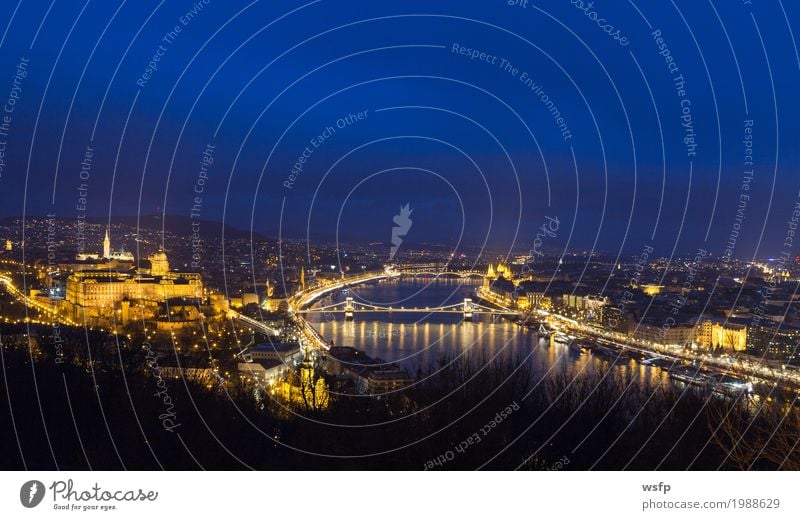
x=270 y=79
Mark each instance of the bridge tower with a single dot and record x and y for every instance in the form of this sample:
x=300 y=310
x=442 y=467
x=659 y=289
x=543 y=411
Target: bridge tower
x=349 y=308
x=467 y=309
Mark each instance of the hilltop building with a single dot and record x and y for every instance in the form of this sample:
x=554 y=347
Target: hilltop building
x=96 y=294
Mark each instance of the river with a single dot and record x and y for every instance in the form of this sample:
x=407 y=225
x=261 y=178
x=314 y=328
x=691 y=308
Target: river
x=418 y=340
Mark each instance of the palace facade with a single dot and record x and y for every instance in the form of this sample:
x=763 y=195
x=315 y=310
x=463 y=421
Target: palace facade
x=102 y=293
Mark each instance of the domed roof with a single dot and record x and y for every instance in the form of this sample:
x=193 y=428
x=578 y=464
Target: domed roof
x=158 y=256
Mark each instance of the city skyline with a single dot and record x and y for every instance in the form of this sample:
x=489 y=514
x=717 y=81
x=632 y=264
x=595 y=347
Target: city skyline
x=179 y=222
x=401 y=236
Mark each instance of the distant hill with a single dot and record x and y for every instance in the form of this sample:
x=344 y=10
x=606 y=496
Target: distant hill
x=177 y=224
x=182 y=225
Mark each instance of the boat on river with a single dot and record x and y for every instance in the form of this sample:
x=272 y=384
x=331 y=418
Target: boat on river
x=560 y=337
x=730 y=386
x=690 y=376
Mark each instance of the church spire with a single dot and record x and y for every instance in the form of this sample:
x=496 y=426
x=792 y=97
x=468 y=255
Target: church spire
x=106 y=246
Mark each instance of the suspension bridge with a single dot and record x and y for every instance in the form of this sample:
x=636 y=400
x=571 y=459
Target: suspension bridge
x=349 y=307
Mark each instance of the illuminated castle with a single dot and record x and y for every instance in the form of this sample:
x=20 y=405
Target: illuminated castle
x=99 y=293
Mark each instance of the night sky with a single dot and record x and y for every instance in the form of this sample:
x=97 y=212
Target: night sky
x=387 y=104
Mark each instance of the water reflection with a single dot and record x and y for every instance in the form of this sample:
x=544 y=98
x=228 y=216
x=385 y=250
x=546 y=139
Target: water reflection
x=420 y=340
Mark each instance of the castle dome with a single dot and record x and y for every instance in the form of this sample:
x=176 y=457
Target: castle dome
x=159 y=256
x=159 y=265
